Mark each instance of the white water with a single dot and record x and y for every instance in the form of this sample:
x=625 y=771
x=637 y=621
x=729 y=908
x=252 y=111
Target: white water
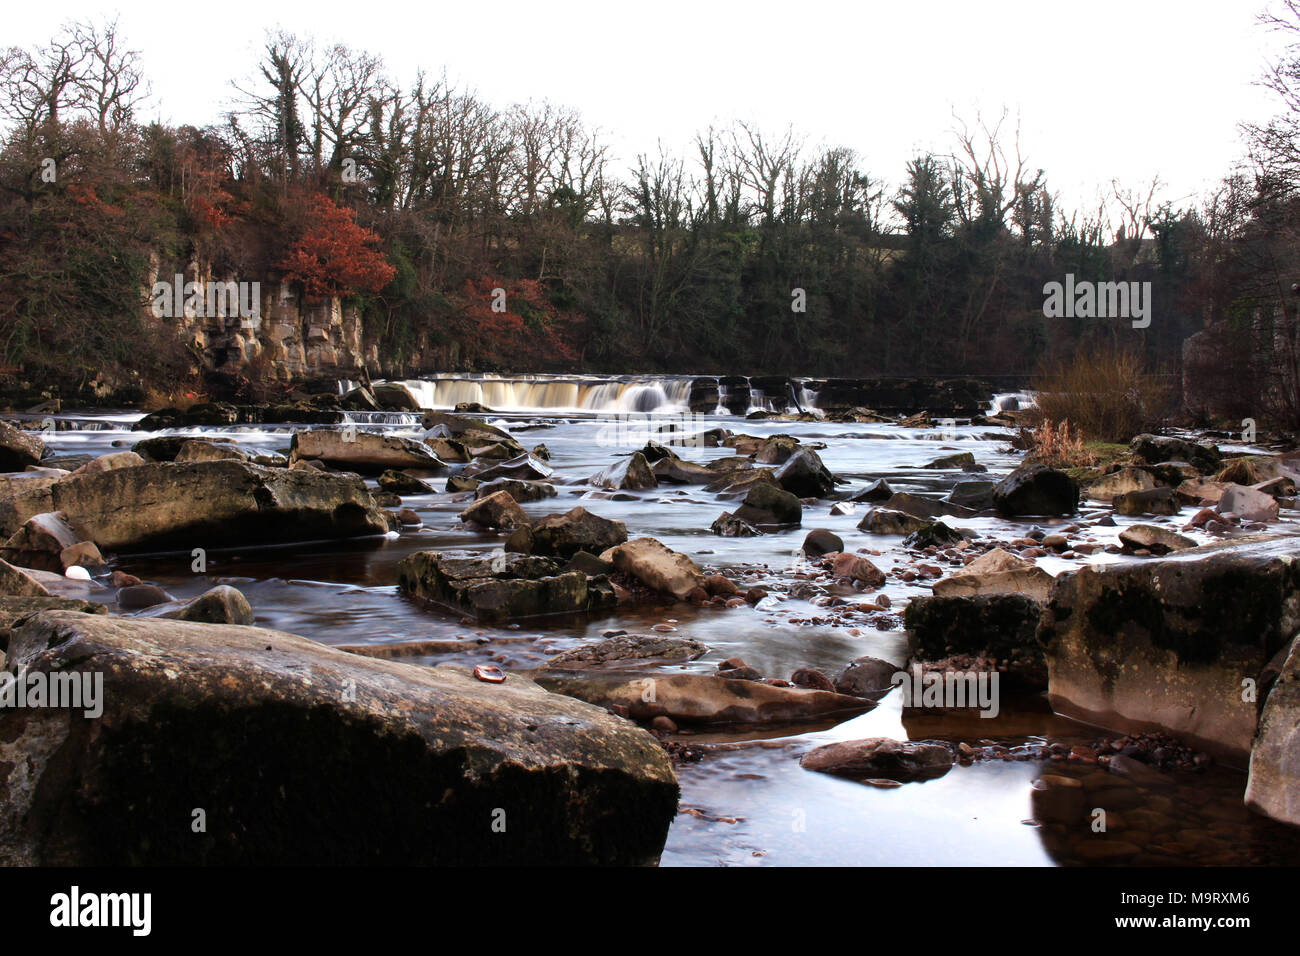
x=554 y=394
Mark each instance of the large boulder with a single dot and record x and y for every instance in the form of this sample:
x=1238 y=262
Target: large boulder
x=20 y=582
x=495 y=511
x=1273 y=787
x=1000 y=627
x=395 y=397
x=366 y=452
x=564 y=535
x=804 y=475
x=627 y=474
x=1121 y=482
x=1154 y=449
x=202 y=504
x=770 y=504
x=503 y=587
x=1036 y=490
x=420 y=765
x=18 y=449
x=1167 y=643
x=657 y=567
x=1248 y=504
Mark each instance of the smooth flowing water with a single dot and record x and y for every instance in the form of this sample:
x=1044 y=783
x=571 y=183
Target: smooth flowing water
x=748 y=802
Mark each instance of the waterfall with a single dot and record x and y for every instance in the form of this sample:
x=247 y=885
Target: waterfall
x=555 y=394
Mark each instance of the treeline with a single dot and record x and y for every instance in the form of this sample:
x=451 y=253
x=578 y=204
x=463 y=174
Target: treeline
x=750 y=253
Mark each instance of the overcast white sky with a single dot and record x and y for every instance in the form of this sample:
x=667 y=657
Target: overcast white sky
x=1106 y=89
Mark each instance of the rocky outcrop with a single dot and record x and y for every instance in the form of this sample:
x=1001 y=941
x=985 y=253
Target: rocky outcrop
x=1167 y=643
x=422 y=765
x=995 y=627
x=202 y=504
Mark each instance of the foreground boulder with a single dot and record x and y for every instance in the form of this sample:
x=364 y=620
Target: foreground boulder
x=657 y=567
x=202 y=504
x=769 y=504
x=249 y=724
x=1167 y=643
x=880 y=757
x=367 y=452
x=18 y=449
x=1273 y=787
x=506 y=586
x=701 y=698
x=804 y=475
x=1036 y=490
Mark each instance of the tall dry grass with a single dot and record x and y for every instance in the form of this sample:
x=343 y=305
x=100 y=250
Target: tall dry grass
x=1105 y=395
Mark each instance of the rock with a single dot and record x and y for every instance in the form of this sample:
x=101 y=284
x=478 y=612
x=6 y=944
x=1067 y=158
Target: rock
x=14 y=610
x=506 y=586
x=919 y=506
x=18 y=449
x=811 y=678
x=932 y=534
x=359 y=399
x=16 y=582
x=975 y=495
x=963 y=461
x=522 y=467
x=211 y=413
x=628 y=649
x=1154 y=449
x=497 y=510
x=202 y=504
x=231 y=714
x=855 y=567
x=656 y=567
x=1166 y=643
x=409 y=517
x=997 y=572
x=1156 y=501
x=629 y=474
x=459 y=483
x=868 y=677
x=576 y=530
x=135 y=597
x=1201 y=490
x=1124 y=481
x=878 y=490
x=880 y=757
x=678 y=472
x=1138 y=772
x=820 y=541
x=40 y=542
x=400 y=483
x=770 y=451
x=767 y=504
x=702 y=698
x=885 y=521
x=83 y=554
x=395 y=397
x=366 y=452
x=117 y=459
x=804 y=475
x=736 y=481
x=1151 y=538
x=1282 y=486
x=1248 y=504
x=588 y=564
x=202 y=451
x=1036 y=490
x=220 y=605
x=717 y=585
x=519 y=490
x=996 y=626
x=729 y=526
x=1273 y=786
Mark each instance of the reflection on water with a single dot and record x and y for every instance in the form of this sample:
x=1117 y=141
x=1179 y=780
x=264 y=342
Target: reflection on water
x=754 y=804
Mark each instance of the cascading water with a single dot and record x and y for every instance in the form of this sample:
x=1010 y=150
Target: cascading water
x=555 y=395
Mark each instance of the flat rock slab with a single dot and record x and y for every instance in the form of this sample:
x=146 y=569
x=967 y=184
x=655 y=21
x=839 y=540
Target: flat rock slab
x=304 y=754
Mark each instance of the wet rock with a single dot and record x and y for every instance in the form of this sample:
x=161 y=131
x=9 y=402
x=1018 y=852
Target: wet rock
x=1282 y=486
x=770 y=451
x=117 y=459
x=1201 y=491
x=885 y=521
x=359 y=399
x=563 y=535
x=880 y=757
x=975 y=495
x=866 y=677
x=135 y=597
x=1154 y=449
x=227 y=712
x=677 y=472
x=497 y=510
x=589 y=564
x=18 y=449
x=409 y=517
x=1122 y=482
x=919 y=506
x=1157 y=501
x=202 y=504
x=83 y=554
x=820 y=541
x=729 y=526
x=522 y=467
x=656 y=566
x=767 y=504
x=1248 y=504
x=628 y=649
x=1273 y=786
x=1036 y=490
x=1138 y=772
x=997 y=572
x=998 y=627
x=40 y=542
x=505 y=586
x=395 y=397
x=855 y=567
x=1157 y=540
x=519 y=490
x=17 y=582
x=220 y=605
x=702 y=699
x=963 y=461
x=878 y=490
x=366 y=452
x=459 y=483
x=400 y=483
x=812 y=678
x=804 y=475
x=934 y=534
x=1166 y=643
x=629 y=474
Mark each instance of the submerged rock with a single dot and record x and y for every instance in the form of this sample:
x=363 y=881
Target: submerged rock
x=628 y=649
x=420 y=761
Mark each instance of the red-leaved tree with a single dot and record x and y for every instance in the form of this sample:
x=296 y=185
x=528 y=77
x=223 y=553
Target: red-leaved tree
x=333 y=255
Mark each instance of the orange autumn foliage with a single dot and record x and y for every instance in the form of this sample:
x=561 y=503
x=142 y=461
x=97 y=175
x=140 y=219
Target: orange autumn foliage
x=333 y=255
